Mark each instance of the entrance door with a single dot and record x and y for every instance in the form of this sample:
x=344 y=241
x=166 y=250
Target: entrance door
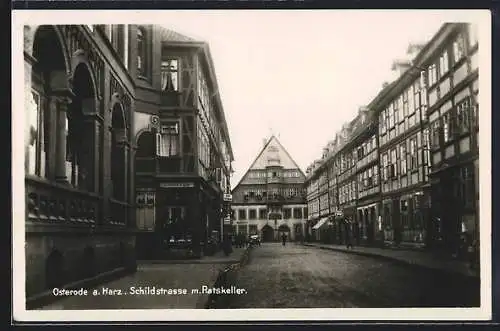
x=284 y=230
x=267 y=233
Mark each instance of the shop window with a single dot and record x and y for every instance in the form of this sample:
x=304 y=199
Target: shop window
x=170 y=75
x=242 y=214
x=467 y=188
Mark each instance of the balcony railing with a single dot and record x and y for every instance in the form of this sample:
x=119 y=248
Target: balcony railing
x=47 y=202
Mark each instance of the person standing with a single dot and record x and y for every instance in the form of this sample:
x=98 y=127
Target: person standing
x=283 y=238
x=348 y=234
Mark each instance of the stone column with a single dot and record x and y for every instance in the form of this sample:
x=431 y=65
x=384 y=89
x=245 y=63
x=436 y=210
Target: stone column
x=62 y=105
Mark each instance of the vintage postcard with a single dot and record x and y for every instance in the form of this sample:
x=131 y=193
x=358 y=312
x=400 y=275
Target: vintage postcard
x=251 y=165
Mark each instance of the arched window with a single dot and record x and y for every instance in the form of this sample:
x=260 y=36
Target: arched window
x=141 y=52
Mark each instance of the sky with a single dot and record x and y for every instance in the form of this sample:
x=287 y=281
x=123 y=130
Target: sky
x=299 y=75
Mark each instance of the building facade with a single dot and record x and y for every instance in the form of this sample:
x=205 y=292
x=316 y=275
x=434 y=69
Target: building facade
x=184 y=154
x=453 y=109
x=79 y=108
x=416 y=159
x=270 y=198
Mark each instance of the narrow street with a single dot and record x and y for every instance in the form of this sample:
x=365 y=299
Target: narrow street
x=295 y=276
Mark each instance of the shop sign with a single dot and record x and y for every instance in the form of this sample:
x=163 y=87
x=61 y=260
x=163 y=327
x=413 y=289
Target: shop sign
x=227 y=220
x=176 y=185
x=228 y=197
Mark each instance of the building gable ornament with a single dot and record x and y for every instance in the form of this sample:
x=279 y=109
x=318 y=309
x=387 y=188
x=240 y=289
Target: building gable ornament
x=77 y=43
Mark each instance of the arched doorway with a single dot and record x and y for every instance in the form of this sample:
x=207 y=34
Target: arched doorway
x=81 y=132
x=267 y=233
x=118 y=153
x=41 y=112
x=284 y=229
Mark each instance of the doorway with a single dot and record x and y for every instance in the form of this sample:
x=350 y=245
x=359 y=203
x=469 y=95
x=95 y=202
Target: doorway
x=267 y=233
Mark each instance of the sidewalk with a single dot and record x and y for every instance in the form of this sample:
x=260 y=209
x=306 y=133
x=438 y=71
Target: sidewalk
x=415 y=258
x=218 y=257
x=151 y=277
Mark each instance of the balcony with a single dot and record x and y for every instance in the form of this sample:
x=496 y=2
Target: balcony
x=50 y=203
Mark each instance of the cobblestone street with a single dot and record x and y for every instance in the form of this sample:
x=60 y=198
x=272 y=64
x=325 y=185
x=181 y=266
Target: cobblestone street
x=295 y=276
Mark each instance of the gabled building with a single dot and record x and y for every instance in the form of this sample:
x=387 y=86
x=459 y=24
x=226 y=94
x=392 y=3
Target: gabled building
x=270 y=198
x=184 y=154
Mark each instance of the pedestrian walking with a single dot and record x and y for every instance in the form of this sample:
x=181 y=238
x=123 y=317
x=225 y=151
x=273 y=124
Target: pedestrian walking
x=283 y=238
x=348 y=235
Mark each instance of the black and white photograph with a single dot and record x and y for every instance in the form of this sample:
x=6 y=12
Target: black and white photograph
x=251 y=165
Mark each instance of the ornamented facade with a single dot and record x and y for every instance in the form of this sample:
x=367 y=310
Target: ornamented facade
x=79 y=143
x=270 y=198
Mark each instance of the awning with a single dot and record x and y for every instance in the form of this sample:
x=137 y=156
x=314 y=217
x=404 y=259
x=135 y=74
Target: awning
x=320 y=223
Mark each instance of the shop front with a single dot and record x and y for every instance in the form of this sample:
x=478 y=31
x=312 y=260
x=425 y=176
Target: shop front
x=368 y=219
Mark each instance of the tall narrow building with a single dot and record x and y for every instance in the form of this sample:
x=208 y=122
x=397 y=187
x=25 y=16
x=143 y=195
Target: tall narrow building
x=270 y=199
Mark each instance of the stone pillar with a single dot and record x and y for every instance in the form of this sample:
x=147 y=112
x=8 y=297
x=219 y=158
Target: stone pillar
x=61 y=104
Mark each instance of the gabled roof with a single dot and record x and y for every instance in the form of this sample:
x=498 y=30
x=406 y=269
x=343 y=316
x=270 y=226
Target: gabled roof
x=169 y=35
x=272 y=148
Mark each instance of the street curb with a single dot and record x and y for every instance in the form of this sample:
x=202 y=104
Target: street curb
x=227 y=278
x=145 y=262
x=46 y=298
x=394 y=260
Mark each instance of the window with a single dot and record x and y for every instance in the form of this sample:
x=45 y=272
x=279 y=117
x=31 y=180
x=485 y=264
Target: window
x=37 y=142
x=443 y=64
x=262 y=214
x=297 y=213
x=118 y=39
x=394 y=161
x=458 y=49
x=141 y=52
x=436 y=134
x=287 y=213
x=432 y=74
x=413 y=154
x=463 y=116
x=385 y=163
x=404 y=206
x=167 y=141
x=242 y=214
x=402 y=151
x=447 y=127
x=252 y=214
x=170 y=75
